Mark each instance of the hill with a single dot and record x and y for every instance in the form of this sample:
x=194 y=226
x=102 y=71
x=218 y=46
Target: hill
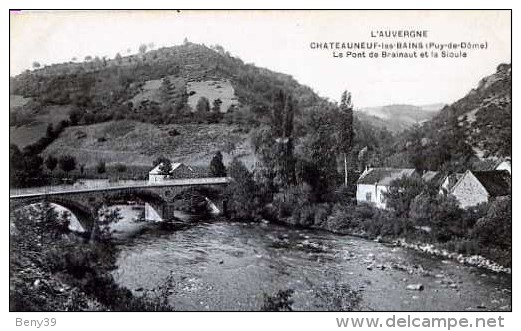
x=473 y=129
x=399 y=117
x=484 y=115
x=161 y=86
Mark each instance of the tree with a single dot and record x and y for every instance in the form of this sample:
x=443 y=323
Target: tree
x=165 y=89
x=241 y=191
x=88 y=58
x=118 y=58
x=217 y=168
x=283 y=108
x=402 y=192
x=346 y=132
x=203 y=105
x=36 y=65
x=160 y=160
x=51 y=162
x=143 y=48
x=101 y=167
x=25 y=168
x=67 y=163
x=101 y=230
x=74 y=116
x=49 y=132
x=120 y=167
x=82 y=168
x=216 y=105
x=165 y=168
x=319 y=150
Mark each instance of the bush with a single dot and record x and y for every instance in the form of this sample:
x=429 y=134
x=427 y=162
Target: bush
x=120 y=167
x=73 y=274
x=495 y=228
x=441 y=213
x=101 y=167
x=280 y=301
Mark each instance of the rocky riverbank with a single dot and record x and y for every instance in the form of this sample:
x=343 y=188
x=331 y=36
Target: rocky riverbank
x=427 y=248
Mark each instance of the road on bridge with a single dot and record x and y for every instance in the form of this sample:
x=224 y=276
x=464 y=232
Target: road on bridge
x=104 y=186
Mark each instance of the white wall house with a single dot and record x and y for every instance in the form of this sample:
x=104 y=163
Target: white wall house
x=374 y=182
x=477 y=187
x=505 y=165
x=179 y=170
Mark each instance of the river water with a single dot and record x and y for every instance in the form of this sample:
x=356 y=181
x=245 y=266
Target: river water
x=232 y=266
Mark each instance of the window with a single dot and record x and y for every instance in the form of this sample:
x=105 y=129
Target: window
x=368 y=196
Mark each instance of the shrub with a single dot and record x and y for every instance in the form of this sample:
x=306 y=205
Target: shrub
x=495 y=228
x=101 y=167
x=120 y=167
x=280 y=301
x=217 y=168
x=402 y=192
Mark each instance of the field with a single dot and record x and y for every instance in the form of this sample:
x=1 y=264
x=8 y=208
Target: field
x=212 y=89
x=151 y=90
x=34 y=121
x=138 y=144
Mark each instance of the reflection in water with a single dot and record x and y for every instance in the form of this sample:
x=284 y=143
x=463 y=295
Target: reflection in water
x=229 y=266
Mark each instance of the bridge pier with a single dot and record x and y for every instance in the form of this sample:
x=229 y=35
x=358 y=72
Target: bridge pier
x=158 y=213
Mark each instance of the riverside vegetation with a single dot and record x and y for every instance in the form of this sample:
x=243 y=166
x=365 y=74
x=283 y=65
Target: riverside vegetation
x=54 y=269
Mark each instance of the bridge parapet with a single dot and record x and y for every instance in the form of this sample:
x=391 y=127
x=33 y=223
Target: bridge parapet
x=64 y=189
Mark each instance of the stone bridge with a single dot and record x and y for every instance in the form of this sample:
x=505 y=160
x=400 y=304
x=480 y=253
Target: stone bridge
x=84 y=202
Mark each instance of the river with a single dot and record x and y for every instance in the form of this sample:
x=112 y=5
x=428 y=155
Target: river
x=232 y=266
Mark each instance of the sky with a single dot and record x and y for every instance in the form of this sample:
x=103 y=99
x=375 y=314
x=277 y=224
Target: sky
x=280 y=41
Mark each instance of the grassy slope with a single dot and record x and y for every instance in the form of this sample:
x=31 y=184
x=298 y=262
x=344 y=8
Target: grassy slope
x=136 y=143
x=212 y=89
x=39 y=119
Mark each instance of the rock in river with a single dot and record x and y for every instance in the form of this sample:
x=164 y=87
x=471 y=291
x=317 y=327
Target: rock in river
x=415 y=287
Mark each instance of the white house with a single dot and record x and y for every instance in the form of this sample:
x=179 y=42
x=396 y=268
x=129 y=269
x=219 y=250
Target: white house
x=375 y=181
x=475 y=187
x=505 y=165
x=179 y=170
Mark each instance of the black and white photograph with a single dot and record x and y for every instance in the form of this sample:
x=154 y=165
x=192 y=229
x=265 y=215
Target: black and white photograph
x=260 y=161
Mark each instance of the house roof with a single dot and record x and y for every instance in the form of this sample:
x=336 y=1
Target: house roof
x=496 y=182
x=156 y=170
x=453 y=180
x=383 y=176
x=430 y=175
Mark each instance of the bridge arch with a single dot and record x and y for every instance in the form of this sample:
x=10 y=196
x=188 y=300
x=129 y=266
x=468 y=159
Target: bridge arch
x=203 y=199
x=83 y=213
x=149 y=197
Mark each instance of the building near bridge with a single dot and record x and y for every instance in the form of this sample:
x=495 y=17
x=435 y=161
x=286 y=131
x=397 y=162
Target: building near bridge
x=179 y=171
x=374 y=182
